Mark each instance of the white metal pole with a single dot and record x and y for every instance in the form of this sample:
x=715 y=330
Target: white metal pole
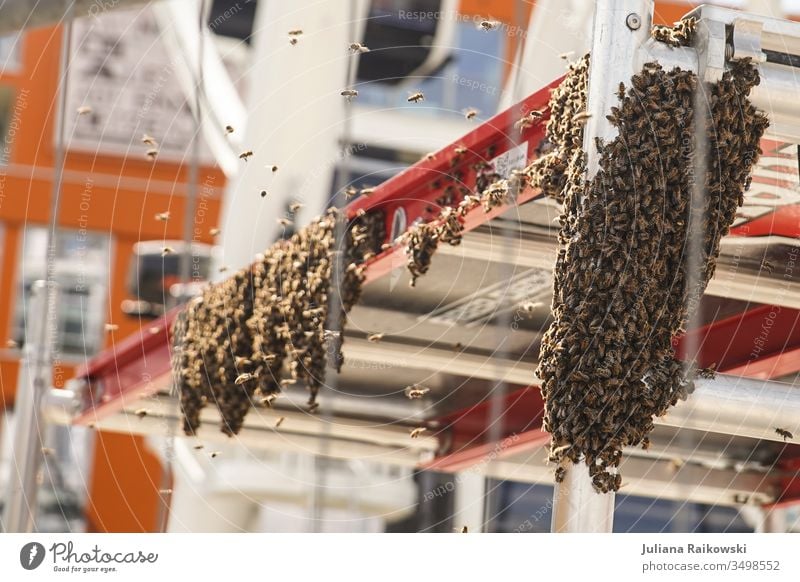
x=620 y=28
x=32 y=388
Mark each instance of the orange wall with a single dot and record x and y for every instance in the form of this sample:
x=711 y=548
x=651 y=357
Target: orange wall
x=125 y=196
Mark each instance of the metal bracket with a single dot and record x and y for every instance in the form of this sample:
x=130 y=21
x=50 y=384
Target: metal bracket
x=747 y=40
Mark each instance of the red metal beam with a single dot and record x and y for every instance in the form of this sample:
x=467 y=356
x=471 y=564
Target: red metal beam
x=129 y=370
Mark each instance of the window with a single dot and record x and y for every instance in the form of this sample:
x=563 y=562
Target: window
x=10 y=53
x=81 y=271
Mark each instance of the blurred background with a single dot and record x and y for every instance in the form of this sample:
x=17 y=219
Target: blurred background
x=77 y=97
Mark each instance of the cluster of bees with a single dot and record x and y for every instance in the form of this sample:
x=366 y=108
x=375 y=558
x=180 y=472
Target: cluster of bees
x=275 y=323
x=423 y=238
x=681 y=34
x=624 y=284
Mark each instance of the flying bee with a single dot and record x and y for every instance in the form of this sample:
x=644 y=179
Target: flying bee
x=470 y=113
x=367 y=191
x=375 y=337
x=784 y=433
x=152 y=153
x=767 y=266
x=530 y=306
x=274 y=168
x=285 y=222
x=460 y=150
x=149 y=140
x=245 y=155
x=567 y=55
x=295 y=32
x=416 y=97
x=417 y=432
x=214 y=231
x=357 y=47
x=263 y=193
x=84 y=110
x=141 y=412
x=167 y=251
x=293 y=41
x=288 y=381
x=198 y=447
x=111 y=327
x=215 y=454
x=415 y=391
x=429 y=157
x=229 y=129
x=350 y=193
x=162 y=216
x=487 y=25
x=465 y=529
x=349 y=94
x=279 y=422
x=244 y=377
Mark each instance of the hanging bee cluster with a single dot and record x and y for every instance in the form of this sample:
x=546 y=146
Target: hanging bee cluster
x=274 y=322
x=423 y=238
x=625 y=284
x=561 y=160
x=681 y=34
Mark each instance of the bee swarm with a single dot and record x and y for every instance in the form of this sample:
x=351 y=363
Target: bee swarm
x=623 y=288
x=233 y=344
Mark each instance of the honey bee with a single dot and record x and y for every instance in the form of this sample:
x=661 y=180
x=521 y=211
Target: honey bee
x=784 y=433
x=223 y=268
x=279 y=422
x=487 y=25
x=295 y=32
x=149 y=140
x=470 y=114
x=244 y=377
x=417 y=432
x=228 y=129
x=350 y=193
x=263 y=193
x=569 y=55
x=367 y=191
x=429 y=157
x=294 y=207
x=274 y=168
x=84 y=110
x=465 y=529
x=214 y=231
x=357 y=47
x=162 y=216
x=198 y=447
x=292 y=41
x=767 y=266
x=530 y=306
x=285 y=222
x=111 y=327
x=416 y=97
x=167 y=251
x=245 y=155
x=375 y=337
x=141 y=412
x=349 y=94
x=415 y=391
x=329 y=334
x=152 y=154
x=215 y=454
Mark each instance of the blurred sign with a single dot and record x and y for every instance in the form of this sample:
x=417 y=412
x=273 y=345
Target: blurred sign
x=121 y=73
